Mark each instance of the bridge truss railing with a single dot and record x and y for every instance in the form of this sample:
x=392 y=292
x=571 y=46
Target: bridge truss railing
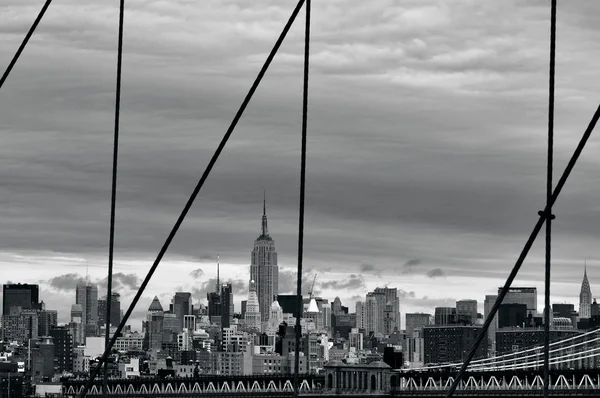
x=563 y=353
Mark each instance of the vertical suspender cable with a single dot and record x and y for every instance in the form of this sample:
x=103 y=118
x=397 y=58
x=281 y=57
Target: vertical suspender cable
x=195 y=192
x=113 y=198
x=24 y=43
x=298 y=330
x=548 y=211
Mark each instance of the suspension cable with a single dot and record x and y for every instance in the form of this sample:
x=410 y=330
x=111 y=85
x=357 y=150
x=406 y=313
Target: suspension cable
x=548 y=213
x=113 y=198
x=194 y=194
x=524 y=252
x=24 y=43
x=475 y=364
x=299 y=305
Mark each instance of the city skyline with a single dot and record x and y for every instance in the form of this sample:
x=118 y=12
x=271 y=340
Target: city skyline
x=409 y=204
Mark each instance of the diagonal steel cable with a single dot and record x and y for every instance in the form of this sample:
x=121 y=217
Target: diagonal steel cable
x=113 y=198
x=524 y=252
x=298 y=330
x=24 y=43
x=194 y=194
x=548 y=213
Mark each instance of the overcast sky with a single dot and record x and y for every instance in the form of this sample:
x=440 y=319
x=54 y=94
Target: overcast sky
x=426 y=145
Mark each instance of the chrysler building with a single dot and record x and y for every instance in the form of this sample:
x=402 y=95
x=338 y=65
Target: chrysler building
x=585 y=297
x=263 y=268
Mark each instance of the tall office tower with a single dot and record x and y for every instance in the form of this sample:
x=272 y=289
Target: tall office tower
x=115 y=310
x=416 y=321
x=20 y=295
x=371 y=315
x=182 y=305
x=214 y=300
x=336 y=307
x=522 y=295
x=585 y=297
x=86 y=295
x=63 y=348
x=487 y=308
x=466 y=311
x=253 y=315
x=77 y=325
x=390 y=298
x=226 y=305
x=445 y=316
x=360 y=315
x=380 y=298
x=263 y=268
x=326 y=312
x=154 y=328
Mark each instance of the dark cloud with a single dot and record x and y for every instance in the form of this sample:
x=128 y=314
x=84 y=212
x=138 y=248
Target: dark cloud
x=353 y=282
x=404 y=294
x=239 y=286
x=436 y=273
x=370 y=268
x=197 y=273
x=122 y=282
x=413 y=262
x=66 y=282
x=288 y=280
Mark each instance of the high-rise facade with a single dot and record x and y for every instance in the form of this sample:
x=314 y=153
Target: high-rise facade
x=252 y=316
x=522 y=295
x=371 y=315
x=488 y=303
x=416 y=321
x=389 y=301
x=585 y=297
x=226 y=305
x=445 y=316
x=182 y=305
x=86 y=295
x=264 y=270
x=20 y=295
x=63 y=348
x=466 y=311
x=115 y=310
x=154 y=325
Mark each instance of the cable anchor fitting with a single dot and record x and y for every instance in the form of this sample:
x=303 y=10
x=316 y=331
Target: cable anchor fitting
x=546 y=214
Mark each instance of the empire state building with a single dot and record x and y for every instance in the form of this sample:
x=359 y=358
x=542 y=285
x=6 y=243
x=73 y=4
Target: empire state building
x=263 y=268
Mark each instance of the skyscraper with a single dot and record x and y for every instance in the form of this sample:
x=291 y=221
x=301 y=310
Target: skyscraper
x=390 y=295
x=263 y=268
x=226 y=305
x=182 y=305
x=252 y=315
x=115 y=310
x=585 y=296
x=86 y=295
x=489 y=302
x=154 y=328
x=522 y=295
x=20 y=295
x=466 y=311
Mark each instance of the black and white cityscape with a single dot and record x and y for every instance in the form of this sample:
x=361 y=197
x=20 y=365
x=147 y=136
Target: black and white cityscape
x=191 y=336
x=296 y=198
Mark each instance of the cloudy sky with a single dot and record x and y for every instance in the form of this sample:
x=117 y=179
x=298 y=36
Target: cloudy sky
x=426 y=148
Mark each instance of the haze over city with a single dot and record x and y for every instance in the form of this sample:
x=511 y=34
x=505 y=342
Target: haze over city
x=426 y=151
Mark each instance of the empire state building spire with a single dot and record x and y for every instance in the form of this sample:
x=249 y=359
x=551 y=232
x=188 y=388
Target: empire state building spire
x=265 y=229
